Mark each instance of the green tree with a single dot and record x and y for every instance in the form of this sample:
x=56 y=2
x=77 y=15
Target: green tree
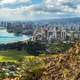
x=35 y=48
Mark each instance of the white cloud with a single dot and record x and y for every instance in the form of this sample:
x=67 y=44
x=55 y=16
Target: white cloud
x=7 y=1
x=14 y=1
x=63 y=5
x=48 y=9
x=22 y=1
x=11 y=14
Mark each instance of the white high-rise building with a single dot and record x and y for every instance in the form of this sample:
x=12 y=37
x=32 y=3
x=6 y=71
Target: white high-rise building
x=49 y=34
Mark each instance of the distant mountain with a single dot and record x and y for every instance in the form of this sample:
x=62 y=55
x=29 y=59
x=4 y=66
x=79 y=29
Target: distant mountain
x=61 y=20
x=51 y=21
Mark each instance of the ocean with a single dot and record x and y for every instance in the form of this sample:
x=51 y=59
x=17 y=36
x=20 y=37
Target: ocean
x=6 y=37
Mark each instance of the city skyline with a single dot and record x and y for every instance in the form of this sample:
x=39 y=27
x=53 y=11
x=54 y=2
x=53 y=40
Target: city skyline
x=38 y=9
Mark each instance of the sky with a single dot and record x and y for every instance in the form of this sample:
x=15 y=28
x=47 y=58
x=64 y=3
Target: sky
x=17 y=10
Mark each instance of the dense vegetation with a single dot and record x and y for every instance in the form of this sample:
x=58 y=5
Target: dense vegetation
x=27 y=66
x=30 y=47
x=59 y=47
x=36 y=48
x=59 y=67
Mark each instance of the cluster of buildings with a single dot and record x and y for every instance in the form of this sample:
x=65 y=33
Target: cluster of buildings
x=49 y=32
x=52 y=34
x=18 y=27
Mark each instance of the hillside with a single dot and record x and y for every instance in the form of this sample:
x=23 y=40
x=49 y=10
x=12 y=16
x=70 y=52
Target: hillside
x=63 y=66
x=58 y=20
x=60 y=67
x=66 y=67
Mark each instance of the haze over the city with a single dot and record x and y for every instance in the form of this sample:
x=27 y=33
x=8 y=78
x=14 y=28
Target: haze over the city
x=38 y=9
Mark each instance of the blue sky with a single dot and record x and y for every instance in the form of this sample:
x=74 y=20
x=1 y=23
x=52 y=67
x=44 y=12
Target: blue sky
x=38 y=9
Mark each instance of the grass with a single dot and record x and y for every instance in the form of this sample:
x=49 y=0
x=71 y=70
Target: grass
x=14 y=55
x=11 y=55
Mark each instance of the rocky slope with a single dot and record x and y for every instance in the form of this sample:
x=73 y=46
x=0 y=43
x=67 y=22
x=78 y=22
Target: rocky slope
x=64 y=67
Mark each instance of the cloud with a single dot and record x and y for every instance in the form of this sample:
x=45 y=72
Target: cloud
x=7 y=1
x=26 y=10
x=66 y=7
x=13 y=1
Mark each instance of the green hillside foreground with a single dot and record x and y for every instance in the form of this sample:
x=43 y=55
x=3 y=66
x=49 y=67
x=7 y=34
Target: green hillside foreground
x=15 y=56
x=58 y=67
x=11 y=55
x=45 y=66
